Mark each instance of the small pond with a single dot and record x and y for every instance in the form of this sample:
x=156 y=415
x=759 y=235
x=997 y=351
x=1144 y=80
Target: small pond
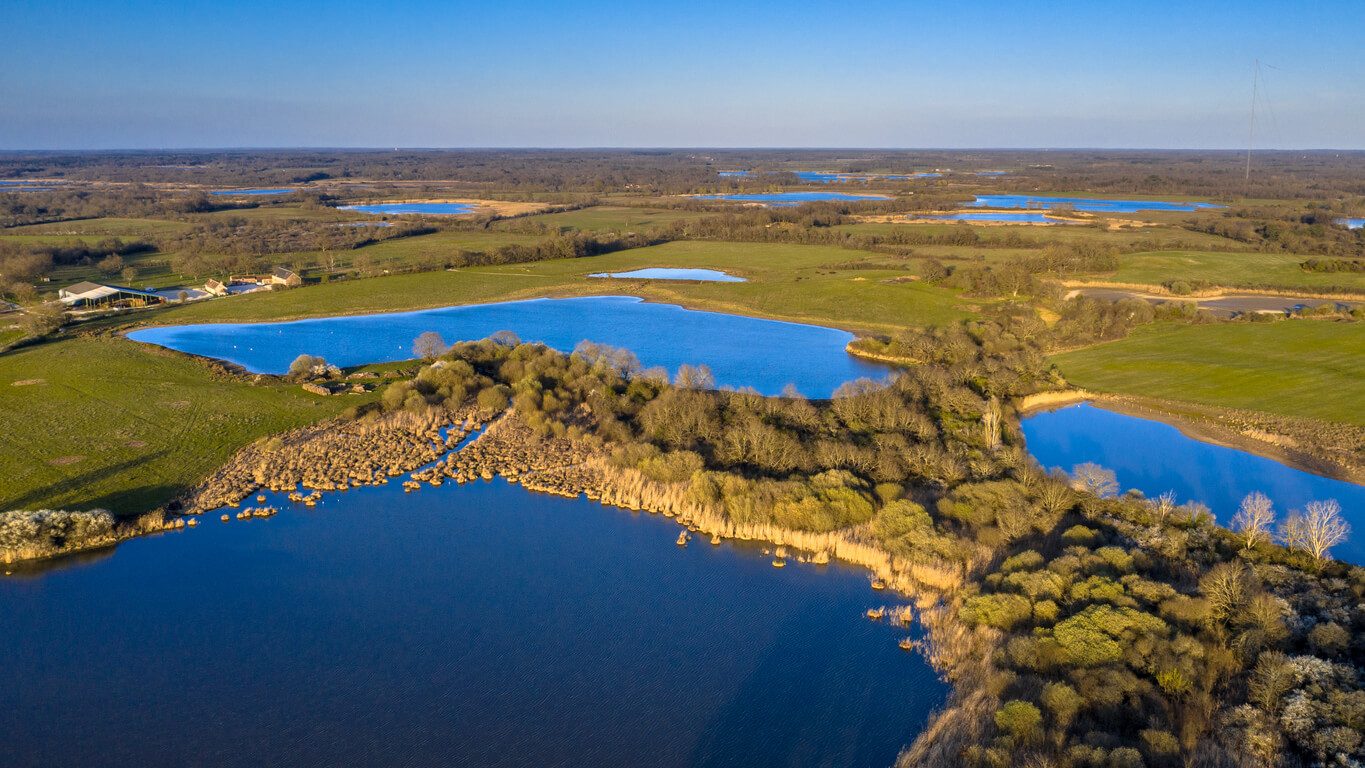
x=252 y=191
x=1155 y=457
x=741 y=351
x=365 y=224
x=662 y=273
x=477 y=625
x=429 y=209
x=1084 y=204
x=1352 y=223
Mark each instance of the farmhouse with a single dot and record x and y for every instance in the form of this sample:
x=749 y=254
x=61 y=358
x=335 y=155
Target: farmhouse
x=87 y=294
x=215 y=288
x=277 y=276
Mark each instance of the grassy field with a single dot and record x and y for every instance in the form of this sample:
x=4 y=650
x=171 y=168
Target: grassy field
x=613 y=217
x=1229 y=269
x=1306 y=368
x=790 y=282
x=107 y=422
x=110 y=227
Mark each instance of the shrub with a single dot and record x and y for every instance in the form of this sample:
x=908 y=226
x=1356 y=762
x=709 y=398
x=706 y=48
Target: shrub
x=1021 y=720
x=1002 y=611
x=1093 y=636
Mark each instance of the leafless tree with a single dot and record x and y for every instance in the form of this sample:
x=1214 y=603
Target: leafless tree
x=698 y=377
x=990 y=423
x=1094 y=479
x=429 y=346
x=1316 y=529
x=1255 y=519
x=1163 y=506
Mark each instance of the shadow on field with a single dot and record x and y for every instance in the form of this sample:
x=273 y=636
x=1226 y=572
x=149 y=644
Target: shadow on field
x=128 y=501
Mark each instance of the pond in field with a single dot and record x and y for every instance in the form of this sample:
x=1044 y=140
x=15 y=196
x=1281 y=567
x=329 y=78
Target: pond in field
x=1084 y=204
x=1001 y=216
x=429 y=209
x=476 y=625
x=662 y=273
x=1352 y=223
x=1154 y=458
x=795 y=198
x=253 y=191
x=741 y=351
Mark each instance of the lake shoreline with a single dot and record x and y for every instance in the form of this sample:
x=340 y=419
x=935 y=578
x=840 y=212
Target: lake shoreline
x=1205 y=428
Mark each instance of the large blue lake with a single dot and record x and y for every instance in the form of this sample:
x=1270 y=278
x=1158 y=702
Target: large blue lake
x=430 y=209
x=741 y=351
x=478 y=626
x=1084 y=204
x=666 y=273
x=795 y=197
x=1155 y=458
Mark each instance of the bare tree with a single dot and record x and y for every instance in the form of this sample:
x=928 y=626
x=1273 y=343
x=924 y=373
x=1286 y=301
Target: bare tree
x=1094 y=479
x=1162 y=506
x=429 y=346
x=1255 y=519
x=698 y=377
x=1316 y=529
x=990 y=423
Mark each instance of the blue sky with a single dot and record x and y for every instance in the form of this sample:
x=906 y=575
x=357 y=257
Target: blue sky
x=145 y=74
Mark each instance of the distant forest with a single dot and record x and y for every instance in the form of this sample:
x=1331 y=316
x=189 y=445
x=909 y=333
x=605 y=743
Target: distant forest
x=1279 y=175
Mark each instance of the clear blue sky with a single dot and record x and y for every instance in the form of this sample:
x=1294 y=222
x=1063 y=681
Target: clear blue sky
x=140 y=73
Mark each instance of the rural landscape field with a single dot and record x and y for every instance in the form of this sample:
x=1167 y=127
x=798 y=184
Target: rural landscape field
x=315 y=453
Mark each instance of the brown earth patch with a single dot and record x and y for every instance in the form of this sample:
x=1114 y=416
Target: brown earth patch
x=135 y=444
x=62 y=461
x=27 y=382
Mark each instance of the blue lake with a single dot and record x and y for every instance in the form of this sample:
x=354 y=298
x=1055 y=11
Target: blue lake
x=1084 y=204
x=1017 y=218
x=1155 y=458
x=795 y=198
x=253 y=191
x=1352 y=223
x=476 y=625
x=365 y=224
x=663 y=273
x=741 y=351
x=431 y=209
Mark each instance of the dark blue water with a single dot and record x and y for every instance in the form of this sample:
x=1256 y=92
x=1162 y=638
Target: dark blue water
x=461 y=626
x=1084 y=204
x=991 y=173
x=795 y=197
x=663 y=273
x=253 y=191
x=741 y=351
x=1017 y=218
x=432 y=209
x=1155 y=458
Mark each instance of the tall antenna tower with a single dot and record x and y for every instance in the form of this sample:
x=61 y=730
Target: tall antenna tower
x=1251 y=129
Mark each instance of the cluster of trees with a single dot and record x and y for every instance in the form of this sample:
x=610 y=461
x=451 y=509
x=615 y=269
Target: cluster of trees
x=1110 y=630
x=238 y=236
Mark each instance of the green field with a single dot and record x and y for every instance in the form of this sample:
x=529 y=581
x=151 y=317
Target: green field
x=1305 y=368
x=791 y=282
x=108 y=227
x=1229 y=269
x=110 y=423
x=611 y=217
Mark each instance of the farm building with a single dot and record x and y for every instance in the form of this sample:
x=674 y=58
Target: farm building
x=277 y=276
x=215 y=288
x=92 y=295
